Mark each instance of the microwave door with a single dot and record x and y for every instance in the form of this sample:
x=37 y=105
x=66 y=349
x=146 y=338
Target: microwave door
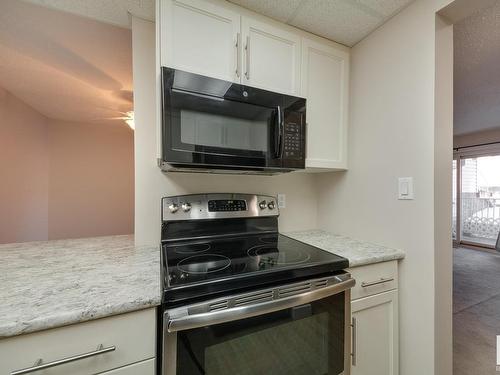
x=213 y=131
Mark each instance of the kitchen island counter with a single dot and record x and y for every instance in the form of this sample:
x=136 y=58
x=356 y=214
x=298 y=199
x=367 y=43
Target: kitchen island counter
x=55 y=283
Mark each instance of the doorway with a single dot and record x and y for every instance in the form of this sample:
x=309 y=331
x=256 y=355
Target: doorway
x=476 y=191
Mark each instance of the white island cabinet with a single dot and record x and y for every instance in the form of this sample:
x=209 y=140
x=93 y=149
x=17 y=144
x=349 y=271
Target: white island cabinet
x=118 y=345
x=374 y=308
x=222 y=40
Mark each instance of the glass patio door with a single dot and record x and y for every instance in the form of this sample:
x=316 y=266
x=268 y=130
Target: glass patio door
x=477 y=214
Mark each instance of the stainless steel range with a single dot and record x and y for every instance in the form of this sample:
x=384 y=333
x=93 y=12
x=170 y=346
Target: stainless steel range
x=241 y=298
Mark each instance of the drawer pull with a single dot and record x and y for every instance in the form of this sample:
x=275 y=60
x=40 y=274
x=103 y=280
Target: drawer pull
x=42 y=366
x=372 y=283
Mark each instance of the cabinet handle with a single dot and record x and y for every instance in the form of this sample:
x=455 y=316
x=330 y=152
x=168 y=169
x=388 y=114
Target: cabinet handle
x=372 y=283
x=354 y=341
x=238 y=57
x=247 y=52
x=42 y=366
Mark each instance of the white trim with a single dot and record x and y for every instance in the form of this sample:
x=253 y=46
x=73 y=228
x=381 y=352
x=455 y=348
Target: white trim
x=477 y=151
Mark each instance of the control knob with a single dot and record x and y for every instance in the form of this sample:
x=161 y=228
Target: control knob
x=271 y=205
x=173 y=208
x=186 y=207
x=262 y=205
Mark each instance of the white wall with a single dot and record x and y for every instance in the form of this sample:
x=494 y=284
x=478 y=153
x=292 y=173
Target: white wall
x=443 y=154
x=152 y=184
x=91 y=179
x=391 y=134
x=23 y=171
x=62 y=179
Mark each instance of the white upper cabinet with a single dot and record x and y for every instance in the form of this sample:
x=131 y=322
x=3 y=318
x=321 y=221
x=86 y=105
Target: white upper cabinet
x=271 y=57
x=200 y=37
x=221 y=40
x=325 y=84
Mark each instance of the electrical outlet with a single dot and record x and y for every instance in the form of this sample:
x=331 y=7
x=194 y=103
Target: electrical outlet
x=281 y=201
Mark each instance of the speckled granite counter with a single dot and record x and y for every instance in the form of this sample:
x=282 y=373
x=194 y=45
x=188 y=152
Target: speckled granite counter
x=358 y=252
x=55 y=283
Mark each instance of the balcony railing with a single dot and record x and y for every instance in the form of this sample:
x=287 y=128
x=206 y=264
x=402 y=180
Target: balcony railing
x=480 y=219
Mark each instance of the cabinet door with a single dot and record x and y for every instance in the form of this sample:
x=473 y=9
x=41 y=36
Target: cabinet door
x=271 y=57
x=325 y=84
x=200 y=37
x=375 y=335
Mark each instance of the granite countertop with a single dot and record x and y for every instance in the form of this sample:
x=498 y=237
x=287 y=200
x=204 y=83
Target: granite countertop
x=55 y=283
x=358 y=252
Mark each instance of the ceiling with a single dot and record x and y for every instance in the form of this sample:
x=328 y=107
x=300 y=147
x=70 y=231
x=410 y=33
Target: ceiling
x=477 y=72
x=344 y=21
x=65 y=66
x=115 y=12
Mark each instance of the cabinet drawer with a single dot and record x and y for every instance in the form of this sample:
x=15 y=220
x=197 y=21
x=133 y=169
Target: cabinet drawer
x=374 y=278
x=132 y=335
x=141 y=368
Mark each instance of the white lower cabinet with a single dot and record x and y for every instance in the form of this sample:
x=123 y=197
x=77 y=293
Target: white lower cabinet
x=375 y=343
x=122 y=343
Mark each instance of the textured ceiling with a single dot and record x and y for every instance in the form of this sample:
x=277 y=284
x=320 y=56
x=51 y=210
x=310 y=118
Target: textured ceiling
x=65 y=66
x=344 y=21
x=115 y=12
x=477 y=72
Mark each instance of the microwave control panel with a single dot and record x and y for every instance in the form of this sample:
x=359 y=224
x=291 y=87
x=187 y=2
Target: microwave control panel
x=292 y=141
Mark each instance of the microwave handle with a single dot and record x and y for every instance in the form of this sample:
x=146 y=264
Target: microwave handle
x=278 y=134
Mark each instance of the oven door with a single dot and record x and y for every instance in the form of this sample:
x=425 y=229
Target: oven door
x=305 y=334
x=211 y=123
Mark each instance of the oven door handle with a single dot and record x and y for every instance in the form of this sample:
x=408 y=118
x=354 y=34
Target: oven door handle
x=247 y=311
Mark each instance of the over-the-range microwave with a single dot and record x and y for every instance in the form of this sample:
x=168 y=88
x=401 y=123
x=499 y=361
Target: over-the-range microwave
x=211 y=125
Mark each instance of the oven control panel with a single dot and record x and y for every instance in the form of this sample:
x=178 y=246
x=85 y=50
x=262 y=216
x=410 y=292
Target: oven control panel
x=224 y=205
x=218 y=206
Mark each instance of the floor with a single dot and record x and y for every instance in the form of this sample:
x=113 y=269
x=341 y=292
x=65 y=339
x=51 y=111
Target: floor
x=480 y=240
x=476 y=311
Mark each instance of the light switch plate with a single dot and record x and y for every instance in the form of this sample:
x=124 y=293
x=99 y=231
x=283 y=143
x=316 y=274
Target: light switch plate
x=405 y=188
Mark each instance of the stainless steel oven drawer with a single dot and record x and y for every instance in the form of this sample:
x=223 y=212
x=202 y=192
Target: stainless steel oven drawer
x=277 y=330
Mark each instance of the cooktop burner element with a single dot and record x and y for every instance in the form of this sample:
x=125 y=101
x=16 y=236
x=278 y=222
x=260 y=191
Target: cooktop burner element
x=210 y=248
x=269 y=239
x=272 y=255
x=202 y=264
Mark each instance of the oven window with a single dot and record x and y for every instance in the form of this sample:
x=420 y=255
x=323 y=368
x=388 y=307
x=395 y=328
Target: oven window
x=305 y=340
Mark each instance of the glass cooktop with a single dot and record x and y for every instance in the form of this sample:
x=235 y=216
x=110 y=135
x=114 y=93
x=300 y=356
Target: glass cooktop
x=198 y=267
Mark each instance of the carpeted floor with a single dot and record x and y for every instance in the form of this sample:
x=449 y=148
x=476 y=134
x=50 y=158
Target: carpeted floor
x=476 y=311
